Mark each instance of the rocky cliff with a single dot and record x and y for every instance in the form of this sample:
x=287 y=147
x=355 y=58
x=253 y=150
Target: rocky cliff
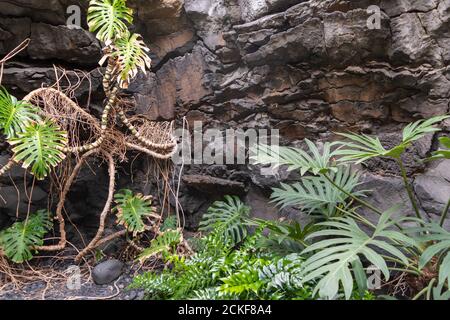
x=307 y=68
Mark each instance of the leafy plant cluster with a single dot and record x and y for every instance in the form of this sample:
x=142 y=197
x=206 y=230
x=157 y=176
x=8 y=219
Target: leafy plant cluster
x=230 y=262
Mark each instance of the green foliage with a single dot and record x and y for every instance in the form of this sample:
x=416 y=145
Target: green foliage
x=440 y=247
x=362 y=147
x=18 y=240
x=336 y=257
x=132 y=210
x=40 y=146
x=109 y=18
x=442 y=153
x=228 y=217
x=164 y=244
x=131 y=54
x=314 y=161
x=169 y=223
x=316 y=195
x=15 y=115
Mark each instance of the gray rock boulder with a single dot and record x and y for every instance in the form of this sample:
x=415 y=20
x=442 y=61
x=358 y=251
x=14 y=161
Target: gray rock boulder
x=108 y=271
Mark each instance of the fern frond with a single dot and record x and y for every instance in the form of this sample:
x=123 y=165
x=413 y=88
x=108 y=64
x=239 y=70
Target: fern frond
x=165 y=243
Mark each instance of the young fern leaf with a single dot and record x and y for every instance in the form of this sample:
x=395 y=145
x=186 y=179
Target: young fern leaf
x=242 y=282
x=227 y=217
x=131 y=55
x=313 y=161
x=15 y=115
x=334 y=257
x=316 y=195
x=18 y=240
x=165 y=243
x=39 y=147
x=108 y=18
x=132 y=209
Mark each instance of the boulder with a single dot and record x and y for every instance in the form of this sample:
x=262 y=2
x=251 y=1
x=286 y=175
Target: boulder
x=108 y=271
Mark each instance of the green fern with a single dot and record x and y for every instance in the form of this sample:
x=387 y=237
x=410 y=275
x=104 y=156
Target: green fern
x=109 y=18
x=335 y=257
x=228 y=217
x=18 y=240
x=363 y=147
x=316 y=195
x=131 y=55
x=242 y=282
x=15 y=115
x=163 y=244
x=40 y=146
x=314 y=161
x=132 y=209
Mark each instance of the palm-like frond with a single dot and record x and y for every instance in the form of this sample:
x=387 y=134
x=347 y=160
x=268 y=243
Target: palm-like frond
x=313 y=161
x=335 y=258
x=316 y=195
x=228 y=217
x=39 y=146
x=362 y=147
x=417 y=130
x=132 y=209
x=108 y=18
x=131 y=55
x=440 y=246
x=242 y=282
x=15 y=115
x=18 y=240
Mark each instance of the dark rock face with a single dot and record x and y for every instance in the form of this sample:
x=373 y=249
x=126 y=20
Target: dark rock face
x=307 y=68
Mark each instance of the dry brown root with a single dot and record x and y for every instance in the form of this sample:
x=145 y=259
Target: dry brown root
x=7 y=167
x=62 y=242
x=106 y=210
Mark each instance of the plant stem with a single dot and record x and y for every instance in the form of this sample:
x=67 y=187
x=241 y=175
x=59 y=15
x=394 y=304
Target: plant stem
x=444 y=213
x=409 y=189
x=362 y=202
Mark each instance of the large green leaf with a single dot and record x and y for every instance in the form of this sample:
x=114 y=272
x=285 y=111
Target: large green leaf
x=39 y=147
x=18 y=240
x=362 y=147
x=130 y=52
x=344 y=245
x=108 y=18
x=314 y=161
x=15 y=115
x=228 y=217
x=316 y=195
x=132 y=209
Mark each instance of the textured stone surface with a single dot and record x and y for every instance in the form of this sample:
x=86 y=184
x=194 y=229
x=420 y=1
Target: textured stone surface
x=106 y=272
x=307 y=68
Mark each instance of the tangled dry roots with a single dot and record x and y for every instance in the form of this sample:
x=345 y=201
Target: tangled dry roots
x=152 y=138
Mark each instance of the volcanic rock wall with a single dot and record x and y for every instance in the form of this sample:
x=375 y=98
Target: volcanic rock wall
x=307 y=68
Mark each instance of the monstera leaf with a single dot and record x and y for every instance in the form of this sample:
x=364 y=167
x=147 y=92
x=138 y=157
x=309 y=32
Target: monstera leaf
x=18 y=240
x=131 y=55
x=132 y=209
x=40 y=147
x=108 y=18
x=15 y=115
